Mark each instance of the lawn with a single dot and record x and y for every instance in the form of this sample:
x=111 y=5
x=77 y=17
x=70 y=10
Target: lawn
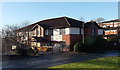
x=106 y=62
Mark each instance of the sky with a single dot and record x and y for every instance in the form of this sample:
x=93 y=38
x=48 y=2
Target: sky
x=20 y=12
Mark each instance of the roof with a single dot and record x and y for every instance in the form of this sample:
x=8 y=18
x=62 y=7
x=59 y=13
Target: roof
x=87 y=24
x=55 y=23
x=26 y=28
x=60 y=22
x=116 y=20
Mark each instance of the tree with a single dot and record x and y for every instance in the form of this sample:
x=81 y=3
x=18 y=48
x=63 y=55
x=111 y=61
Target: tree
x=100 y=19
x=9 y=36
x=81 y=19
x=25 y=23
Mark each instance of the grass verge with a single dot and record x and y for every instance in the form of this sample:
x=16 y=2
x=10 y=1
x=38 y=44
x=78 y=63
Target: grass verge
x=106 y=62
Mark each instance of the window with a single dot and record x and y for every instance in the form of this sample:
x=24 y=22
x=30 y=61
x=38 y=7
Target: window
x=74 y=30
x=37 y=32
x=93 y=32
x=100 y=32
x=50 y=32
x=31 y=33
x=82 y=32
x=46 y=32
x=62 y=31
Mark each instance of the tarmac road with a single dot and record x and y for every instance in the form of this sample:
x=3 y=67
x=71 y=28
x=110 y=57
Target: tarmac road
x=48 y=60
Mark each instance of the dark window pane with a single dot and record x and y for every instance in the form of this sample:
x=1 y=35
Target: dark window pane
x=62 y=31
x=37 y=32
x=50 y=32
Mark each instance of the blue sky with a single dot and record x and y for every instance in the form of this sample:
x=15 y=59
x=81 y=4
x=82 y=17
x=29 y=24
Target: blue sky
x=19 y=12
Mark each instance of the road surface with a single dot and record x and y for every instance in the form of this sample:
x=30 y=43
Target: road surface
x=48 y=60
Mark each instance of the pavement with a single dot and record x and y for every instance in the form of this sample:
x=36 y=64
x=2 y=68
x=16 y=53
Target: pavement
x=47 y=60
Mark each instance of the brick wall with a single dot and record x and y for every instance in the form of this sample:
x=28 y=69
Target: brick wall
x=48 y=37
x=74 y=39
x=71 y=40
x=66 y=38
x=88 y=31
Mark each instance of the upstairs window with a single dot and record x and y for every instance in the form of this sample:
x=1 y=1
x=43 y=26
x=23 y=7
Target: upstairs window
x=50 y=32
x=37 y=32
x=62 y=31
x=100 y=32
x=93 y=32
x=46 y=32
x=30 y=33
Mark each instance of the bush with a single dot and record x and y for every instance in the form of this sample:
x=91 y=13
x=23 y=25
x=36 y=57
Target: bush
x=113 y=43
x=77 y=47
x=94 y=44
x=25 y=51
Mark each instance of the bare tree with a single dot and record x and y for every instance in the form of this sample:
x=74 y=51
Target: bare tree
x=25 y=23
x=100 y=19
x=81 y=19
x=9 y=36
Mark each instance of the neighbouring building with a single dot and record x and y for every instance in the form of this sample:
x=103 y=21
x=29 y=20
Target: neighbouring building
x=92 y=29
x=62 y=31
x=112 y=28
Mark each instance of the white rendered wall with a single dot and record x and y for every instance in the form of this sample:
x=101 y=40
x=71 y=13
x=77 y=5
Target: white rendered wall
x=56 y=36
x=67 y=30
x=55 y=31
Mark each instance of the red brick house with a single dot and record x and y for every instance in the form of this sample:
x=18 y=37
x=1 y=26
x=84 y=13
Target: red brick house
x=62 y=31
x=92 y=29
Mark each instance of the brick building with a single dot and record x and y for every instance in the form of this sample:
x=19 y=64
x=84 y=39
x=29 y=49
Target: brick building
x=62 y=31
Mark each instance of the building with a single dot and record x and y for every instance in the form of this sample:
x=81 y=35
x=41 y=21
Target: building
x=112 y=28
x=62 y=31
x=92 y=29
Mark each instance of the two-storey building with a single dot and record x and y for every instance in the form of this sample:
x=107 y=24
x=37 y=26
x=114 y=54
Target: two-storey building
x=112 y=28
x=61 y=31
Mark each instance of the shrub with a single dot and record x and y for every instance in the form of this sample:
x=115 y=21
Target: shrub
x=77 y=47
x=25 y=51
x=94 y=44
x=113 y=43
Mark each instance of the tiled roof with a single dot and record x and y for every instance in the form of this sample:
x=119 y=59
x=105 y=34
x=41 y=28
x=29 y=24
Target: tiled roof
x=26 y=28
x=55 y=23
x=60 y=22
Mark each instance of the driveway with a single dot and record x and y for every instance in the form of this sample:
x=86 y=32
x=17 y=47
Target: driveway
x=48 y=60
